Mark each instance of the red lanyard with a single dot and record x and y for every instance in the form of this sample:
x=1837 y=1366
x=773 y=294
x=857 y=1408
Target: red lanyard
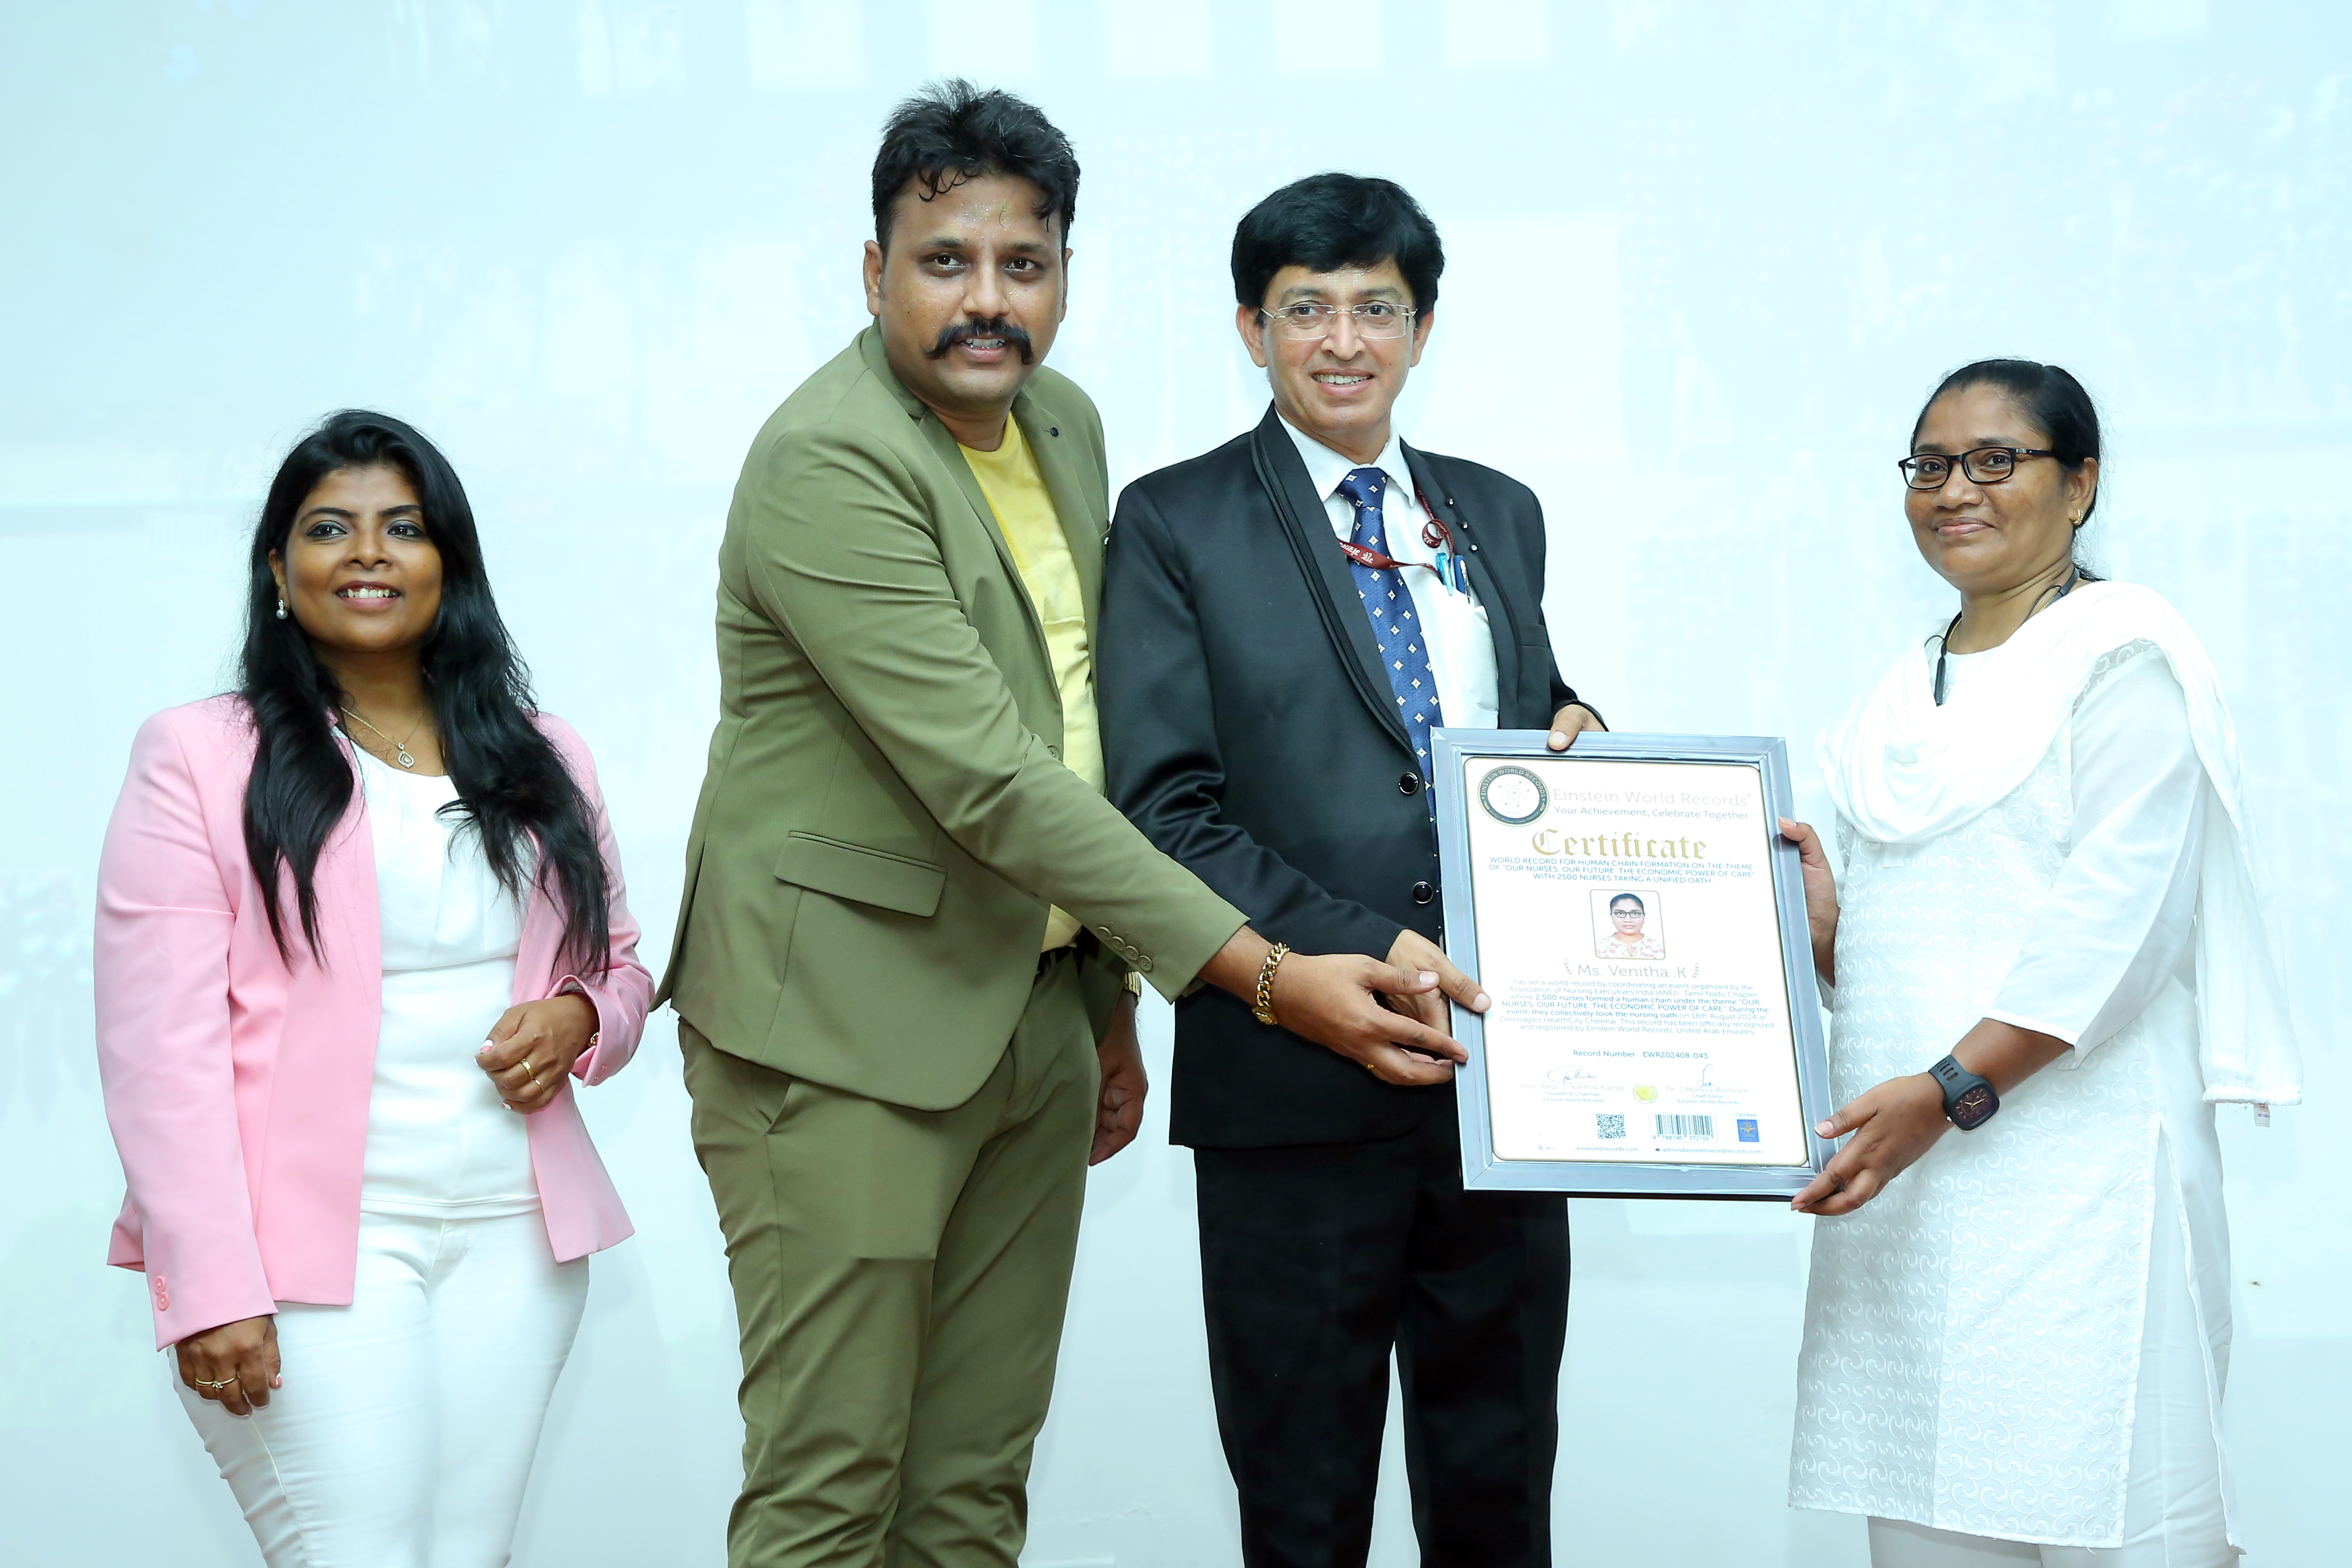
x=1433 y=533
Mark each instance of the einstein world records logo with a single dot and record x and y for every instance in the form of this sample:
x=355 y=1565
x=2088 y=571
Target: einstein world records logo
x=1513 y=795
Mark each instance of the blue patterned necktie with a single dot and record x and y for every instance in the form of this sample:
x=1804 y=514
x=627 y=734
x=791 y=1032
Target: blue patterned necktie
x=1404 y=651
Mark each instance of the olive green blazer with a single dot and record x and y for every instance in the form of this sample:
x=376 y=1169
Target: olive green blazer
x=886 y=818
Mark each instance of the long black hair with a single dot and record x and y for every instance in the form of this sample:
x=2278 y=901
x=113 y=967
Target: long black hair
x=512 y=785
x=2053 y=401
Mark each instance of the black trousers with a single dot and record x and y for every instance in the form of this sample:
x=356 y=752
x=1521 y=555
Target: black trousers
x=1316 y=1261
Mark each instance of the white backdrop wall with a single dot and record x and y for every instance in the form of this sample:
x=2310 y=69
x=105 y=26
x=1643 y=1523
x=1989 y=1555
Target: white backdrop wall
x=1705 y=260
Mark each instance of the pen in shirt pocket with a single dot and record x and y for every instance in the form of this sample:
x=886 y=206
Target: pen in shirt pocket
x=1452 y=573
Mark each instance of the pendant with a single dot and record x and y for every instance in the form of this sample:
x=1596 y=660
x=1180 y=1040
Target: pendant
x=405 y=760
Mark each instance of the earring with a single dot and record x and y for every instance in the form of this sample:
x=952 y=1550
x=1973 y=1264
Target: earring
x=281 y=609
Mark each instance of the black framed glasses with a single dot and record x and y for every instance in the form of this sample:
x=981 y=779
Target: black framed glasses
x=1983 y=466
x=1313 y=318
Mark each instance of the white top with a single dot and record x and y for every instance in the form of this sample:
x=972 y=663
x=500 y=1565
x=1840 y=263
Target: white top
x=1972 y=1335
x=439 y=1142
x=1461 y=644
x=2115 y=922
x=1904 y=770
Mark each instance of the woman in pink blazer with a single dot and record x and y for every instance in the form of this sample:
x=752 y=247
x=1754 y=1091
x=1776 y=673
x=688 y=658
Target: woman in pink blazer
x=359 y=924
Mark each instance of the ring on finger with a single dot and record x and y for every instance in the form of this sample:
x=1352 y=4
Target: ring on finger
x=208 y=1383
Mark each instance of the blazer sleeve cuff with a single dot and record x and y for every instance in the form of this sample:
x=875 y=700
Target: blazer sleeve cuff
x=182 y=1308
x=1175 y=971
x=609 y=1054
x=1370 y=935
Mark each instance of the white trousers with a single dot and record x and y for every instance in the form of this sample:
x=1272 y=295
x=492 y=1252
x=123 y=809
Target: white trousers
x=2172 y=1496
x=403 y=1435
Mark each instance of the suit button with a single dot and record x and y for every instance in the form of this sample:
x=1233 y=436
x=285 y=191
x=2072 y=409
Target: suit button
x=1409 y=784
x=1423 y=892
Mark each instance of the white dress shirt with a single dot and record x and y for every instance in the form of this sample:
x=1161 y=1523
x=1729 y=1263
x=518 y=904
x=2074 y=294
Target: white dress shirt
x=1461 y=643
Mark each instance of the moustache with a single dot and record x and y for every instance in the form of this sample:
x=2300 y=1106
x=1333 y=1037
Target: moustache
x=964 y=332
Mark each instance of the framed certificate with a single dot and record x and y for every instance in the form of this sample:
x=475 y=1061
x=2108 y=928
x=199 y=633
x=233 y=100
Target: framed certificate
x=1629 y=905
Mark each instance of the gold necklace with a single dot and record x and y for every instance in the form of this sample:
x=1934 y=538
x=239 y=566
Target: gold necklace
x=400 y=748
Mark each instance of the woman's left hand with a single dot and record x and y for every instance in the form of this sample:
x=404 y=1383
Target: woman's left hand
x=1900 y=1119
x=1893 y=1125
x=533 y=1046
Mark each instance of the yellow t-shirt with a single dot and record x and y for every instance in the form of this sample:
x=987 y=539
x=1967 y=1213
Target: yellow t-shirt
x=1016 y=493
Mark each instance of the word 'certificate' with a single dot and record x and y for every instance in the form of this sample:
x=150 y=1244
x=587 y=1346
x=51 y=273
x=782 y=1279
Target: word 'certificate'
x=1626 y=920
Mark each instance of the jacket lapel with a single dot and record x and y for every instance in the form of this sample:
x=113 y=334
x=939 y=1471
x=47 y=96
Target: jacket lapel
x=949 y=456
x=344 y=877
x=1504 y=613
x=1305 y=523
x=1078 y=505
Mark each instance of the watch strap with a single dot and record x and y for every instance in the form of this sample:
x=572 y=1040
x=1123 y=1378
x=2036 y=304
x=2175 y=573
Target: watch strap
x=1968 y=1098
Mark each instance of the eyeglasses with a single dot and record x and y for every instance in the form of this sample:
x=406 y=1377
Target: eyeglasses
x=1311 y=318
x=1984 y=466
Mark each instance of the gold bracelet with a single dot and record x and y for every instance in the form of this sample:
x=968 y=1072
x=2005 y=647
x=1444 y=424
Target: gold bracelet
x=1264 y=1006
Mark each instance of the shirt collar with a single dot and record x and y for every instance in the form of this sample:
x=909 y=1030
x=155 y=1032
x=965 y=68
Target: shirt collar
x=1326 y=468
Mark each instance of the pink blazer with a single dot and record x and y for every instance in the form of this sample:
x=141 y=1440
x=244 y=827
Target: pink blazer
x=238 y=1082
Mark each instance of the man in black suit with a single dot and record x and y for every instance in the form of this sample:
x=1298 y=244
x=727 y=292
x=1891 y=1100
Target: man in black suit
x=1285 y=619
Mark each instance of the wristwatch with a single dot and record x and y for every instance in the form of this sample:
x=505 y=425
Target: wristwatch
x=1968 y=1099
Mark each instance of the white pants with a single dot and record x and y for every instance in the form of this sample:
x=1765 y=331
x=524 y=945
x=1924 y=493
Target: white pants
x=404 y=1431
x=2172 y=1499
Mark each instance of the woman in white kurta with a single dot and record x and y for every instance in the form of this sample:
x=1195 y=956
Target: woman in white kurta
x=2015 y=1353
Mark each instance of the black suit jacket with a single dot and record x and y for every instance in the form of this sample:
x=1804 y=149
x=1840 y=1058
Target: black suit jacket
x=1249 y=730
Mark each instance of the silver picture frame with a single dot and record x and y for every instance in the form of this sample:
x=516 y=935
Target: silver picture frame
x=1482 y=1168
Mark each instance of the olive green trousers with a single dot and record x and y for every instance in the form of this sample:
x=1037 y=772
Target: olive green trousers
x=900 y=1280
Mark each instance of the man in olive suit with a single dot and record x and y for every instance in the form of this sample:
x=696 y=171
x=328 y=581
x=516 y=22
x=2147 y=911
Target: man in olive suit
x=910 y=915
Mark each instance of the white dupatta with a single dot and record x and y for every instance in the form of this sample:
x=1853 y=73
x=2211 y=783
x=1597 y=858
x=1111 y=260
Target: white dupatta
x=1903 y=770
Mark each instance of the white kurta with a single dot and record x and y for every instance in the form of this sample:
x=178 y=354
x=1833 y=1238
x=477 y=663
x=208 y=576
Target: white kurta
x=1973 y=1335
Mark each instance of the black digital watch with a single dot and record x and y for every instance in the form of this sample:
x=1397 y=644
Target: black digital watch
x=1968 y=1099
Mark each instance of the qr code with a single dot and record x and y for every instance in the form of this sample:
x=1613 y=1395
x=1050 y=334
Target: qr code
x=1611 y=1126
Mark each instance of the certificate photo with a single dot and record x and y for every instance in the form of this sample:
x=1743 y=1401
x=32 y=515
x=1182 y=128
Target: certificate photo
x=1653 y=1027
x=1628 y=923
